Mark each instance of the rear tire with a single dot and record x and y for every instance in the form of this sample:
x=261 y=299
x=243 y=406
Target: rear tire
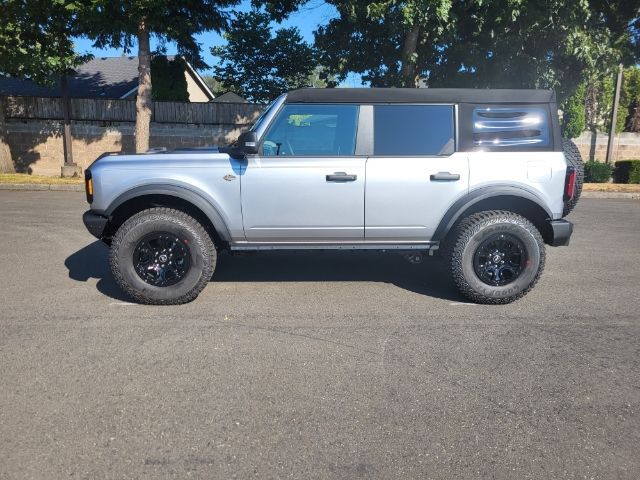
x=162 y=256
x=496 y=257
x=574 y=159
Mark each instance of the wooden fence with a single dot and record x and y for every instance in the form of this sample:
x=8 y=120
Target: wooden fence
x=106 y=110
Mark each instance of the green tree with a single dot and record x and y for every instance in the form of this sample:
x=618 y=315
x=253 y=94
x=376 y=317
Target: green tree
x=214 y=85
x=479 y=43
x=127 y=23
x=389 y=43
x=573 y=113
x=35 y=43
x=168 y=81
x=629 y=117
x=603 y=93
x=319 y=78
x=260 y=65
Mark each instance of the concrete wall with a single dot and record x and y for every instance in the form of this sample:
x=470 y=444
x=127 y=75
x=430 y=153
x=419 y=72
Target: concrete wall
x=593 y=146
x=36 y=145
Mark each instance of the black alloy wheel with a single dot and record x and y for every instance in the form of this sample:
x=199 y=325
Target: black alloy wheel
x=161 y=259
x=499 y=260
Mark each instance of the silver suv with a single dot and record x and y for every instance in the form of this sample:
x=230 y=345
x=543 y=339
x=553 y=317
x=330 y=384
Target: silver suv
x=480 y=176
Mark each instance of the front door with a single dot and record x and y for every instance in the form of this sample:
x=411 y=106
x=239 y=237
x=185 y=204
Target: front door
x=307 y=184
x=414 y=174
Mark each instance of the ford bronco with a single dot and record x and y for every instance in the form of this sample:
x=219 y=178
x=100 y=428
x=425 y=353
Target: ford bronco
x=482 y=177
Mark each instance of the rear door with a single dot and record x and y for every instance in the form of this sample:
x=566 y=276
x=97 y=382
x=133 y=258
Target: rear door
x=307 y=184
x=414 y=174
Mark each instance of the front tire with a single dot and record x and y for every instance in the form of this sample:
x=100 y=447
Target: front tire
x=496 y=257
x=162 y=256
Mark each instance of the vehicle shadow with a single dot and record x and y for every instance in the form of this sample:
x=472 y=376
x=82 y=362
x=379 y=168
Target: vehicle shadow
x=92 y=261
x=429 y=278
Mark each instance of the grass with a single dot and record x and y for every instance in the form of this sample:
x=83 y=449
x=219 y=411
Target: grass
x=38 y=179
x=611 y=187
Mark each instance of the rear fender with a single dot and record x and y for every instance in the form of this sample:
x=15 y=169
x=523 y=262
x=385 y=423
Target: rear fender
x=539 y=214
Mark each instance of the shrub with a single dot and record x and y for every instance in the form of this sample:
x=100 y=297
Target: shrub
x=573 y=114
x=168 y=79
x=634 y=174
x=597 y=172
x=627 y=171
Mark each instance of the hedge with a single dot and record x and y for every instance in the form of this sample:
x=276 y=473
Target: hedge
x=597 y=172
x=627 y=171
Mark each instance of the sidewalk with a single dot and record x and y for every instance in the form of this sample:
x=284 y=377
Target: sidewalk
x=61 y=187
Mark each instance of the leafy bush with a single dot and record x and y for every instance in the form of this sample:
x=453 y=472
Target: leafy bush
x=627 y=171
x=573 y=114
x=168 y=81
x=597 y=172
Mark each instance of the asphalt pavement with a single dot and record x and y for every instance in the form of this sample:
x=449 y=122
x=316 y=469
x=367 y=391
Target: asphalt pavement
x=316 y=365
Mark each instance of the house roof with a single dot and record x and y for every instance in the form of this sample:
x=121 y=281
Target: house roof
x=100 y=77
x=419 y=95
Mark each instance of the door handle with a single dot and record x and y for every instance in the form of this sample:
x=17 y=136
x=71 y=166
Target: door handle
x=341 y=177
x=445 y=177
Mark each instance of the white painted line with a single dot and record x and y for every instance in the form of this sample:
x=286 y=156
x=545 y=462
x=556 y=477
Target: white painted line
x=123 y=304
x=462 y=303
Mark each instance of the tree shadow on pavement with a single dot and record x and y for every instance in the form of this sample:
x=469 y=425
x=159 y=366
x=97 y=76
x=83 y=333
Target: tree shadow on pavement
x=429 y=278
x=92 y=261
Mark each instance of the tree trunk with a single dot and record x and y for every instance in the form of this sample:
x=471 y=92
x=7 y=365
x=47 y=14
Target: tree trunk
x=409 y=48
x=143 y=102
x=66 y=116
x=6 y=163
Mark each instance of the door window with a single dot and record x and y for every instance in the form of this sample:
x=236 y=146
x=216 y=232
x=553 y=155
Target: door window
x=410 y=130
x=312 y=130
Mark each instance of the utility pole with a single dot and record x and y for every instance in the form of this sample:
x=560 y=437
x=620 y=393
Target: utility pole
x=614 y=117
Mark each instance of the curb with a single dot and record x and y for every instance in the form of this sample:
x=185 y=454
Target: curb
x=58 y=187
x=631 y=195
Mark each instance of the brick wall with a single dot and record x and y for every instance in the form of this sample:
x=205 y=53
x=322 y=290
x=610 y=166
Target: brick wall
x=36 y=145
x=593 y=146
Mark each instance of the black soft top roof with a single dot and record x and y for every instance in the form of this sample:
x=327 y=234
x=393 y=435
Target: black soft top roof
x=419 y=95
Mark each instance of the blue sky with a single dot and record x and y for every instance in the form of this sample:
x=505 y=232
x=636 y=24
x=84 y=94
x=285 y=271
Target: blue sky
x=307 y=19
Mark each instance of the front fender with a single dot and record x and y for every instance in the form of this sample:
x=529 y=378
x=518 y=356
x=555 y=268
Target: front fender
x=191 y=195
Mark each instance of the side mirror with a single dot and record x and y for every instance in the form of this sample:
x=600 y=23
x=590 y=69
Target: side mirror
x=248 y=143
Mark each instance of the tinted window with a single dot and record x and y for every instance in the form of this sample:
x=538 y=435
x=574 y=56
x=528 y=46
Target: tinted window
x=413 y=130
x=511 y=126
x=306 y=130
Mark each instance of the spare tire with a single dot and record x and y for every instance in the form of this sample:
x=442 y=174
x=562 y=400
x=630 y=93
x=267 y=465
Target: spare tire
x=574 y=159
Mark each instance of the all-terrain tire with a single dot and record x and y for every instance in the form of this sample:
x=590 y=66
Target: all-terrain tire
x=472 y=233
x=194 y=239
x=574 y=159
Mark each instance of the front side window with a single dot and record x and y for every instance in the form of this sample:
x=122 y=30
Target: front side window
x=409 y=130
x=312 y=130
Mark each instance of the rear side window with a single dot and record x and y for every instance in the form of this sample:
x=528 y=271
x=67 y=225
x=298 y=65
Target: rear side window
x=312 y=130
x=409 y=130
x=498 y=127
